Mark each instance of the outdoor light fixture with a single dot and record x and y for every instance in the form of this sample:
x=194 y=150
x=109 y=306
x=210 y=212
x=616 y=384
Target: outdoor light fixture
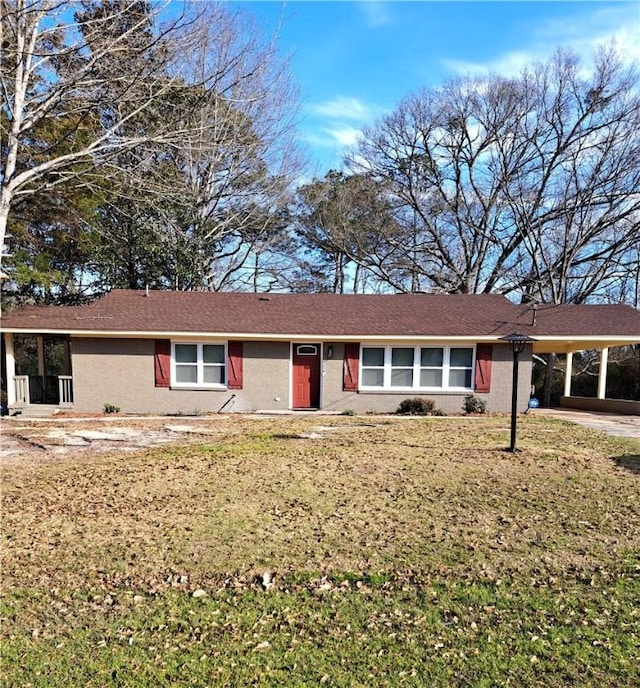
x=517 y=341
x=330 y=352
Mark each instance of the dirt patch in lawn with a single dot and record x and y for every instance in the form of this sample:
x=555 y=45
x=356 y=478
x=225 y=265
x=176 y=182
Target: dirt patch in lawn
x=74 y=435
x=39 y=442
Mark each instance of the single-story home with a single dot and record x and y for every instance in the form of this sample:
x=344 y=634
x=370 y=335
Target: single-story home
x=186 y=352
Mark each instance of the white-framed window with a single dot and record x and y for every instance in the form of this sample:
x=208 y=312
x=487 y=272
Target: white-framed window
x=460 y=366
x=196 y=364
x=416 y=367
x=372 y=366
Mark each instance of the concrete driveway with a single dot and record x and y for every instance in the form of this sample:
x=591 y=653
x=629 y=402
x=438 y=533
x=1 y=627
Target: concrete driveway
x=609 y=423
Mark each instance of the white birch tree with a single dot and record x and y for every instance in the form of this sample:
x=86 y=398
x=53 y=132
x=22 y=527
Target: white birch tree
x=134 y=91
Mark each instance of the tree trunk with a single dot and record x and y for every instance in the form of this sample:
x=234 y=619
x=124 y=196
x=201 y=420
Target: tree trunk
x=4 y=215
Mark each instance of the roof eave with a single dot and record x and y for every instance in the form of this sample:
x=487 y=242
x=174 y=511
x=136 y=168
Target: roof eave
x=547 y=344
x=544 y=343
x=245 y=336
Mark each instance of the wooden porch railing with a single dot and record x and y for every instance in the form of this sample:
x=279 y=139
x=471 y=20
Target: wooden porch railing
x=23 y=395
x=65 y=387
x=22 y=389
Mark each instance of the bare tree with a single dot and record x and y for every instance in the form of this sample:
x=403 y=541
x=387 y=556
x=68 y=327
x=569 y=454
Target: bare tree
x=575 y=200
x=51 y=69
x=233 y=173
x=135 y=93
x=526 y=186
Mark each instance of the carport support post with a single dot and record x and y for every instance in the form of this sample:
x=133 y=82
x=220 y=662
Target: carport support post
x=10 y=362
x=602 y=375
x=567 y=374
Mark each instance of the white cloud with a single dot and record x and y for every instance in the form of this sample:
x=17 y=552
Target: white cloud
x=376 y=12
x=332 y=136
x=343 y=136
x=335 y=125
x=339 y=121
x=583 y=33
x=318 y=140
x=343 y=107
x=509 y=64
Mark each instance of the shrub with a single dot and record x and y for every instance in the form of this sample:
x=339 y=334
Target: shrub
x=417 y=406
x=473 y=404
x=110 y=408
x=348 y=412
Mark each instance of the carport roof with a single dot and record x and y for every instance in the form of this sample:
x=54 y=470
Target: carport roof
x=483 y=317
x=573 y=327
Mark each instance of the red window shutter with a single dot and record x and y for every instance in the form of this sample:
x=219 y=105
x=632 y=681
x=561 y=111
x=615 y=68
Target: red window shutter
x=484 y=354
x=351 y=363
x=162 y=363
x=234 y=365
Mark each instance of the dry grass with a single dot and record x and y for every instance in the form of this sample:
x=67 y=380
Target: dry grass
x=419 y=494
x=387 y=502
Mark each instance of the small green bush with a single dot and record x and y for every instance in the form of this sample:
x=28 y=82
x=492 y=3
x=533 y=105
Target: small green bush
x=348 y=412
x=110 y=408
x=473 y=404
x=417 y=406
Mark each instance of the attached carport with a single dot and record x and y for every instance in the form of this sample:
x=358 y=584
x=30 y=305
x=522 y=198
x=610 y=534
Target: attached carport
x=567 y=347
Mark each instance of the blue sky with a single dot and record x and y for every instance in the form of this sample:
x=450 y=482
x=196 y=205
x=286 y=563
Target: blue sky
x=354 y=61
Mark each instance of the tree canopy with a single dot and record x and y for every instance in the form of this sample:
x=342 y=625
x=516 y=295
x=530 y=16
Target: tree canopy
x=150 y=148
x=526 y=186
x=180 y=128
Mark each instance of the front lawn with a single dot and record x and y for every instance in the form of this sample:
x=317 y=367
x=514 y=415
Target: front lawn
x=402 y=551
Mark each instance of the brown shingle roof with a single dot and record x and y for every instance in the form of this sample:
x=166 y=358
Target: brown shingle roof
x=585 y=320
x=324 y=315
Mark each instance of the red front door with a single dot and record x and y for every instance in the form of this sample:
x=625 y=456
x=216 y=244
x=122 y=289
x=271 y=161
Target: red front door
x=306 y=376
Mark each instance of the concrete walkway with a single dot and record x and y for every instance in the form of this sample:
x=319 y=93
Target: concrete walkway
x=609 y=423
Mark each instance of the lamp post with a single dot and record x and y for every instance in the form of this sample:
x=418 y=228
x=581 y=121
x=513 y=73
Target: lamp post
x=517 y=341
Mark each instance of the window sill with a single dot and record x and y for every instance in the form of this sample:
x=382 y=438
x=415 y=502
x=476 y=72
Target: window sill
x=390 y=390
x=198 y=388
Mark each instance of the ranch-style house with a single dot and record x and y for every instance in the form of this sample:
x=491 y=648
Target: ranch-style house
x=170 y=352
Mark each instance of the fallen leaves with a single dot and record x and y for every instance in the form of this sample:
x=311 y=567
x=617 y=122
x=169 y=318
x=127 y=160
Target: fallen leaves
x=382 y=536
x=364 y=498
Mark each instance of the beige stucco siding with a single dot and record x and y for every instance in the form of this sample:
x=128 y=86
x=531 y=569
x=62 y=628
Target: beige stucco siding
x=498 y=399
x=121 y=372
